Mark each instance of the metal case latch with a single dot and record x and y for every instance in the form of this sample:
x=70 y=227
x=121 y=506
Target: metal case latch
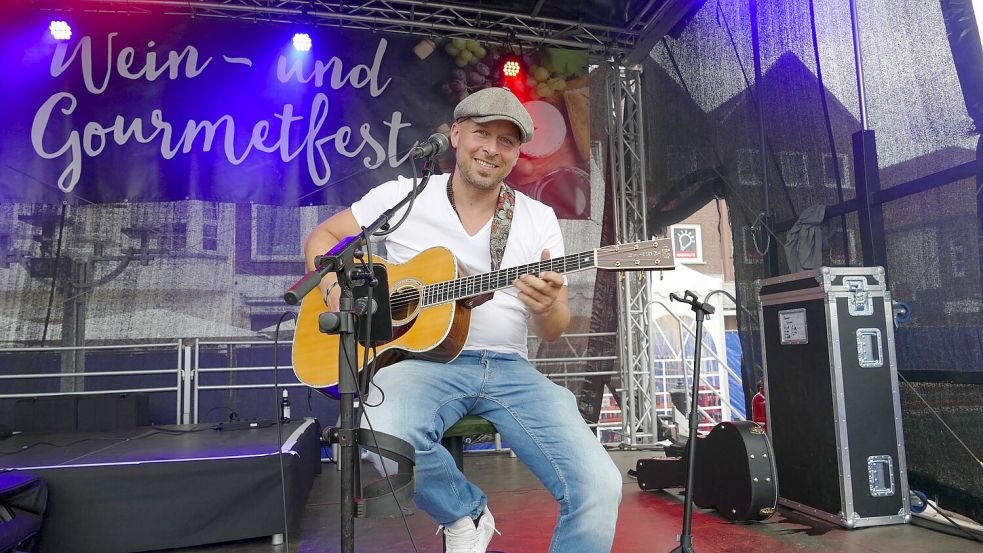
x=859 y=301
x=880 y=469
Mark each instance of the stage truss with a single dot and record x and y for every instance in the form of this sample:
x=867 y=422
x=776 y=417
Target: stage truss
x=626 y=147
x=527 y=27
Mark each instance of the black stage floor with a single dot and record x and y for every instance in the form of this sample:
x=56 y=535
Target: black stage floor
x=169 y=486
x=647 y=523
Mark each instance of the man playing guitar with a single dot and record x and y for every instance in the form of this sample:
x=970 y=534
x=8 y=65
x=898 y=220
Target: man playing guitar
x=417 y=400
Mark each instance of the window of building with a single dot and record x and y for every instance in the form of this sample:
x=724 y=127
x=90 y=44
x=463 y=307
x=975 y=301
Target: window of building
x=795 y=168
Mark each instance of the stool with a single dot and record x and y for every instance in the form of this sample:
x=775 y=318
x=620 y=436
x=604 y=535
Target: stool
x=469 y=425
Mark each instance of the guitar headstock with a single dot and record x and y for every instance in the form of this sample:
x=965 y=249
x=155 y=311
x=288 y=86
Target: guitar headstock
x=650 y=255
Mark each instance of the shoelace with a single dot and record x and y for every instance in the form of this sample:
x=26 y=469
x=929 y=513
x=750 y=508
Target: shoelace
x=456 y=538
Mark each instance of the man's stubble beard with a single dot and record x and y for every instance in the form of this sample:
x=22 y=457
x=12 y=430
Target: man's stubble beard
x=480 y=183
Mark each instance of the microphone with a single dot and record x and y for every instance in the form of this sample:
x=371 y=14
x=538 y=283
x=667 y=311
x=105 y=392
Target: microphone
x=435 y=145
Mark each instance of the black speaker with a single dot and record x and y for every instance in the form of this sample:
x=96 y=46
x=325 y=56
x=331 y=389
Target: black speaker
x=94 y=413
x=113 y=412
x=43 y=415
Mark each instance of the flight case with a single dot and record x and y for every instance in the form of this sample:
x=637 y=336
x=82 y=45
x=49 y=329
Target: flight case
x=833 y=407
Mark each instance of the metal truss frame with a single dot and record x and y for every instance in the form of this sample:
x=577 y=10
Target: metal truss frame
x=416 y=17
x=626 y=154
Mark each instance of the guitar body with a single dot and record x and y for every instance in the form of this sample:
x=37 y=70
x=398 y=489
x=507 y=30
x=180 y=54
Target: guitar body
x=436 y=333
x=734 y=474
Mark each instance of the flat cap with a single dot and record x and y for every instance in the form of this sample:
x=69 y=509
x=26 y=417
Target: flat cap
x=494 y=104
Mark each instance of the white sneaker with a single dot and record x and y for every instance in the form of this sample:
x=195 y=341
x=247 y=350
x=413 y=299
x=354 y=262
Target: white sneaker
x=462 y=536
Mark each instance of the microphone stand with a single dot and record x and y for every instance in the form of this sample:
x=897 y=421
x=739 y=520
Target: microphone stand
x=702 y=311
x=341 y=260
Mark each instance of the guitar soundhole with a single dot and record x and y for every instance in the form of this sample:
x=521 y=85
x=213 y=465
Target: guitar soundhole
x=404 y=302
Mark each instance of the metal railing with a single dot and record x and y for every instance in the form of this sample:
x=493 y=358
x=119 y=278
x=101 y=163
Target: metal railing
x=191 y=367
x=80 y=377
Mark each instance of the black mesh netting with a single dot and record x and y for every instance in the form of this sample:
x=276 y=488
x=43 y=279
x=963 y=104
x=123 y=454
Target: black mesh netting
x=796 y=59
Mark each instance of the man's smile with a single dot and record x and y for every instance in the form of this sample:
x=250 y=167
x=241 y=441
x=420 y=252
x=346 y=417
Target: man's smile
x=485 y=164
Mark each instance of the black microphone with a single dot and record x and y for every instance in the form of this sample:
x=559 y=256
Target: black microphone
x=435 y=145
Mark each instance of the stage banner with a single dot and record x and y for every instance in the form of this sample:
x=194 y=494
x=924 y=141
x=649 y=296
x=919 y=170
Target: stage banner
x=159 y=108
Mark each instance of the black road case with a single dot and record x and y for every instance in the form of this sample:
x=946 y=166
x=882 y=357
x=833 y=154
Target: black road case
x=834 y=415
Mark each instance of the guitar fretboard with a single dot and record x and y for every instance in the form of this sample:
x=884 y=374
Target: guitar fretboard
x=475 y=285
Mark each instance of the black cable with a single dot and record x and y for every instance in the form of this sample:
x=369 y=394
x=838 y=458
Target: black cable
x=941 y=420
x=279 y=421
x=154 y=432
x=713 y=165
x=754 y=102
x=54 y=275
x=829 y=129
x=382 y=393
x=359 y=173
x=406 y=212
x=375 y=440
x=35 y=444
x=216 y=408
x=965 y=532
x=172 y=432
x=369 y=269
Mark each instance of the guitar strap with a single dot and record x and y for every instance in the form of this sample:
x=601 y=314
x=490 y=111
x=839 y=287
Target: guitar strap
x=501 y=223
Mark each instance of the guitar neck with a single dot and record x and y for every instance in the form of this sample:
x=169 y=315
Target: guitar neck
x=476 y=285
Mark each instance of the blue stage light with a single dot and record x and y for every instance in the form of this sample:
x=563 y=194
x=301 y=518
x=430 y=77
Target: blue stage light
x=302 y=42
x=60 y=30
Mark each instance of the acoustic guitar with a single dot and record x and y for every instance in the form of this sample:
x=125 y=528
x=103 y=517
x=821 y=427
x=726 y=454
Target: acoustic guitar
x=431 y=305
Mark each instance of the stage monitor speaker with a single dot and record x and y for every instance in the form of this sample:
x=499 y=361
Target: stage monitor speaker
x=95 y=413
x=113 y=412
x=45 y=415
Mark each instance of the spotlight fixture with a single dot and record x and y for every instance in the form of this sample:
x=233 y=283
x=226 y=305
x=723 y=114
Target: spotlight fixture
x=512 y=75
x=60 y=30
x=302 y=42
x=511 y=66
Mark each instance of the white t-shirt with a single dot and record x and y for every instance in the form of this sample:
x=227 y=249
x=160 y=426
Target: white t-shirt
x=499 y=324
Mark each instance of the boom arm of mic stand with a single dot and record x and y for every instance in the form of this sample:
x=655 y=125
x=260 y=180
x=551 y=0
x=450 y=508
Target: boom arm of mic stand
x=329 y=261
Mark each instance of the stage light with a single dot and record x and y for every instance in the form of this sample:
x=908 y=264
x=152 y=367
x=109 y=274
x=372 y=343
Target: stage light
x=511 y=66
x=60 y=30
x=302 y=42
x=512 y=75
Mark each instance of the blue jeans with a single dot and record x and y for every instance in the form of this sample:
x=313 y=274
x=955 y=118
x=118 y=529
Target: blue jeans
x=537 y=417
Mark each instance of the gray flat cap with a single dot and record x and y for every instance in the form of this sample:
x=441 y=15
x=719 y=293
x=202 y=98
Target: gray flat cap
x=494 y=104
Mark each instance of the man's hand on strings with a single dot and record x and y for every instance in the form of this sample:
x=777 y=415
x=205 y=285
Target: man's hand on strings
x=540 y=292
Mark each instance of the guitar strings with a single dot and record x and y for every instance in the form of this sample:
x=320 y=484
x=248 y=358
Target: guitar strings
x=404 y=297
x=452 y=290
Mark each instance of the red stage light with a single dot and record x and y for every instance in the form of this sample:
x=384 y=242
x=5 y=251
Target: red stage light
x=511 y=66
x=513 y=77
